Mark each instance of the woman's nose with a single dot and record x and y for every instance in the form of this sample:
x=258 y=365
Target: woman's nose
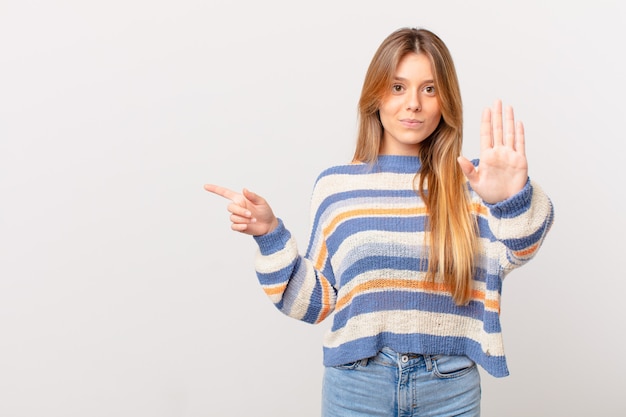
x=413 y=102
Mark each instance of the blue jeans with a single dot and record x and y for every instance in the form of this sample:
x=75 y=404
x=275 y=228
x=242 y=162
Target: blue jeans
x=393 y=384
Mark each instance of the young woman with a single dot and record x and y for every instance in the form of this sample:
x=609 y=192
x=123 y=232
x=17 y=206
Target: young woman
x=409 y=243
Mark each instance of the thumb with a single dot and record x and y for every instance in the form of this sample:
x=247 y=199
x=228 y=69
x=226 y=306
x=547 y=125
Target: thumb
x=467 y=167
x=253 y=197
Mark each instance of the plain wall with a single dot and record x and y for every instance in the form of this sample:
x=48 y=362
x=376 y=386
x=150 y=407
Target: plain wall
x=123 y=291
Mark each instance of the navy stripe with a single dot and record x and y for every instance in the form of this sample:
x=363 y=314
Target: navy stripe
x=274 y=241
x=314 y=308
x=513 y=206
x=385 y=224
x=279 y=276
x=373 y=263
x=484 y=230
x=527 y=241
x=386 y=163
x=394 y=300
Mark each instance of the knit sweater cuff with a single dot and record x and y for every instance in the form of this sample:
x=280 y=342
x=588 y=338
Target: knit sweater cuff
x=514 y=205
x=273 y=241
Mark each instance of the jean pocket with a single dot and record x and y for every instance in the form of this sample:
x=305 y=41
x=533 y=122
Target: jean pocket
x=352 y=365
x=445 y=366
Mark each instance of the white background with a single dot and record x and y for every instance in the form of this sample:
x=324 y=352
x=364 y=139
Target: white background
x=123 y=291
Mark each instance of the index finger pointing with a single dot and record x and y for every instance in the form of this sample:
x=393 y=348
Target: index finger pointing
x=221 y=191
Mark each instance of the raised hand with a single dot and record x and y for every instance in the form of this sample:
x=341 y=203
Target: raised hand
x=249 y=212
x=503 y=169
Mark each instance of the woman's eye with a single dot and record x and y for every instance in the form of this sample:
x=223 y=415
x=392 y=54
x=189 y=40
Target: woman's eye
x=396 y=88
x=430 y=89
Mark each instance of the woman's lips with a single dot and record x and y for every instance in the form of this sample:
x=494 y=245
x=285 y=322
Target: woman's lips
x=411 y=122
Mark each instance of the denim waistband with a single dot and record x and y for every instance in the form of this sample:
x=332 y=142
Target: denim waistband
x=389 y=357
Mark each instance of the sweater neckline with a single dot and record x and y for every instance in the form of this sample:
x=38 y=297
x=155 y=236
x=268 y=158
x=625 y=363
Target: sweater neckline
x=401 y=163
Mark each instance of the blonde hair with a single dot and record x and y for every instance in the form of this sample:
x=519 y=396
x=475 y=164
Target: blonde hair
x=453 y=237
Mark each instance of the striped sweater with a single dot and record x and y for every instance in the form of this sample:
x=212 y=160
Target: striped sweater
x=366 y=263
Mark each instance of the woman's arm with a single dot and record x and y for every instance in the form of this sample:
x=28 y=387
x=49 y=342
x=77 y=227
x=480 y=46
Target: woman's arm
x=295 y=284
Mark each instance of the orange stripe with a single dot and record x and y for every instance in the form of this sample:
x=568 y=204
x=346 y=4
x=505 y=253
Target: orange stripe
x=375 y=212
x=528 y=251
x=361 y=212
x=326 y=288
x=492 y=305
x=275 y=290
x=489 y=304
x=386 y=284
x=479 y=208
x=321 y=258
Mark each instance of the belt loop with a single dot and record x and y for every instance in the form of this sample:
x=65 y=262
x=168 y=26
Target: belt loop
x=364 y=362
x=429 y=362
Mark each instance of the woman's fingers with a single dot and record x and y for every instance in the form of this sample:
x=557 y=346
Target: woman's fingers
x=222 y=191
x=467 y=167
x=520 y=139
x=486 y=131
x=253 y=197
x=234 y=218
x=238 y=201
x=509 y=137
x=239 y=227
x=496 y=119
x=249 y=212
x=498 y=128
x=239 y=210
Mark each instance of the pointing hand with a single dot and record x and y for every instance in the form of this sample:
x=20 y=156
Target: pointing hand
x=250 y=213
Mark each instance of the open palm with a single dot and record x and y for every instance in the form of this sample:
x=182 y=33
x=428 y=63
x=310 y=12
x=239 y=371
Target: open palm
x=502 y=170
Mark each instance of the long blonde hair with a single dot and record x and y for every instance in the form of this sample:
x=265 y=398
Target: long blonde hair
x=453 y=238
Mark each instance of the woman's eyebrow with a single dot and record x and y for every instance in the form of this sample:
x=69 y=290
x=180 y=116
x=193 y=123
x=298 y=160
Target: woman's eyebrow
x=396 y=78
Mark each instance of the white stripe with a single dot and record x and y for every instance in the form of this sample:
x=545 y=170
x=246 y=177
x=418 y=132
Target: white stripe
x=267 y=264
x=351 y=249
x=299 y=308
x=411 y=322
x=525 y=223
x=337 y=183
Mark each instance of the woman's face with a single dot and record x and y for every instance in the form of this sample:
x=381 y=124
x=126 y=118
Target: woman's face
x=410 y=111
